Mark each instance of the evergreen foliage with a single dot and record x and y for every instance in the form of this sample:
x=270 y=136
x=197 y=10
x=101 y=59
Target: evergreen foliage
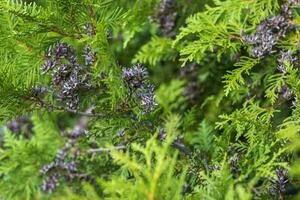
x=149 y=99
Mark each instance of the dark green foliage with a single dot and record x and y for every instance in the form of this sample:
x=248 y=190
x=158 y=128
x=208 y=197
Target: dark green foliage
x=149 y=99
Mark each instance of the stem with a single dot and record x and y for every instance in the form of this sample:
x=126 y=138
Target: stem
x=88 y=114
x=182 y=148
x=100 y=150
x=92 y=17
x=45 y=104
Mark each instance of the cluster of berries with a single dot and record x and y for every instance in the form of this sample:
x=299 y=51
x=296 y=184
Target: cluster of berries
x=51 y=182
x=136 y=79
x=89 y=55
x=89 y=29
x=286 y=57
x=166 y=17
x=270 y=31
x=267 y=36
x=234 y=164
x=279 y=184
x=20 y=125
x=68 y=76
x=65 y=162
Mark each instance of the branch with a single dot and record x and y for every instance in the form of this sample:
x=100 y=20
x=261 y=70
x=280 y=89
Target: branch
x=91 y=14
x=88 y=114
x=54 y=107
x=182 y=148
x=100 y=150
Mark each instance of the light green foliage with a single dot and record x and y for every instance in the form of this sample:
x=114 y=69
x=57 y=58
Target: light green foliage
x=292 y=79
x=170 y=97
x=289 y=131
x=153 y=172
x=22 y=159
x=275 y=84
x=217 y=184
x=218 y=28
x=211 y=36
x=253 y=123
x=234 y=79
x=250 y=117
x=18 y=7
x=256 y=154
x=158 y=49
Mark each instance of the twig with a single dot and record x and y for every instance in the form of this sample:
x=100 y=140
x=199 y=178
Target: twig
x=88 y=114
x=45 y=104
x=100 y=150
x=92 y=17
x=182 y=148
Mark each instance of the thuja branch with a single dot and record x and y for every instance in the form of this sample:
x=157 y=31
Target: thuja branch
x=91 y=113
x=103 y=150
x=88 y=114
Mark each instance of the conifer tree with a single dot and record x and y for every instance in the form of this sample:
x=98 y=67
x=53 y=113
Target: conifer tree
x=149 y=99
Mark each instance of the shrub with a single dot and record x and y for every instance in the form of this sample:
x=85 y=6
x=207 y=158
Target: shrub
x=149 y=99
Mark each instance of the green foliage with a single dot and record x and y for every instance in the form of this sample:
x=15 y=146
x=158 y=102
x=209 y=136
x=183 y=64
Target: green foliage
x=20 y=8
x=234 y=79
x=203 y=138
x=275 y=84
x=218 y=28
x=21 y=159
x=221 y=124
x=158 y=49
x=153 y=171
x=211 y=35
x=170 y=97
